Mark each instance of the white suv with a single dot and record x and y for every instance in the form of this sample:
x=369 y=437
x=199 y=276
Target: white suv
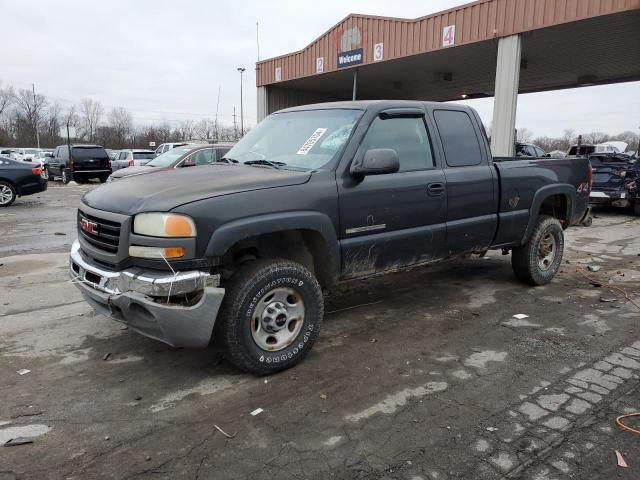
x=165 y=147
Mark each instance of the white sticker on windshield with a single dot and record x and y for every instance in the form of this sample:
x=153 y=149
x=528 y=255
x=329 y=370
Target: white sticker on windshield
x=311 y=141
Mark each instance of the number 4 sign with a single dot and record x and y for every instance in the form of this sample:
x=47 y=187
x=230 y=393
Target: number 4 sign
x=449 y=36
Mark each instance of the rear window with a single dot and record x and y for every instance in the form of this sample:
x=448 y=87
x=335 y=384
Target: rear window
x=82 y=152
x=459 y=140
x=143 y=155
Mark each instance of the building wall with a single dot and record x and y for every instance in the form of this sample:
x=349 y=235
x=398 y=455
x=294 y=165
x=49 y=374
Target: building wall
x=478 y=21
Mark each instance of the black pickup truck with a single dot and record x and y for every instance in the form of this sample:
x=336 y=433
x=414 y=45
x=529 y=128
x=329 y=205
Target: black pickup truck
x=241 y=251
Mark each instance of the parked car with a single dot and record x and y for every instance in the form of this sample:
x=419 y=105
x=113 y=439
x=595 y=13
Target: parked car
x=616 y=181
x=25 y=154
x=178 y=157
x=165 y=147
x=84 y=163
x=18 y=179
x=311 y=196
x=588 y=149
x=6 y=152
x=134 y=158
x=529 y=150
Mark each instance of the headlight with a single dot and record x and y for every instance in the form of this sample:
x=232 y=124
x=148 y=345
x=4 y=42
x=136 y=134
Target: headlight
x=164 y=225
x=156 y=252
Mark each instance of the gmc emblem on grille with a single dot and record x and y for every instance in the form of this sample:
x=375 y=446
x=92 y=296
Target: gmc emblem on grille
x=89 y=227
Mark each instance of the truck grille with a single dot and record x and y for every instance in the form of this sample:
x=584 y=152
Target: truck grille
x=100 y=233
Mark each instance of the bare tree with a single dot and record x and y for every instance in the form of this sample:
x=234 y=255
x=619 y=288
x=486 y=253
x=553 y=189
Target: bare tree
x=6 y=97
x=206 y=129
x=121 y=125
x=186 y=130
x=595 y=137
x=91 y=112
x=524 y=135
x=30 y=112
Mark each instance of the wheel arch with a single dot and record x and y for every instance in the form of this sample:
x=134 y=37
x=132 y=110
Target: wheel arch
x=557 y=201
x=13 y=184
x=305 y=237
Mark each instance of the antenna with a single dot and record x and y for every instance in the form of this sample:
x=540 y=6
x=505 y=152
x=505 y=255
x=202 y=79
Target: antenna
x=258 y=39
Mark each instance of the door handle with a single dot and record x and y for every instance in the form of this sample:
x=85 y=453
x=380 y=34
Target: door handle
x=435 y=189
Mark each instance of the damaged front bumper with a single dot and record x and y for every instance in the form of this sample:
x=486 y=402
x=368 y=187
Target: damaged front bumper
x=613 y=198
x=145 y=300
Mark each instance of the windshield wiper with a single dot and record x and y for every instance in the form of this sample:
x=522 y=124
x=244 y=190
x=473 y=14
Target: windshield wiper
x=262 y=161
x=227 y=160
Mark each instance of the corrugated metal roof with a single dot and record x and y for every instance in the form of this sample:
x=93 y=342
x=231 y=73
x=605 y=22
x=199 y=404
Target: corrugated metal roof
x=473 y=22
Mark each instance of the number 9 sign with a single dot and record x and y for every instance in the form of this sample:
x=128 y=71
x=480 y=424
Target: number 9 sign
x=449 y=36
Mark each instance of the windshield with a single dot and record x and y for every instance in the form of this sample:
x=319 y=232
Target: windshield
x=307 y=140
x=167 y=158
x=143 y=155
x=80 y=153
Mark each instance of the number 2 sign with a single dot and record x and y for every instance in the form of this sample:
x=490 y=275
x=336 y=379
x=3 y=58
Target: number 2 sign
x=449 y=36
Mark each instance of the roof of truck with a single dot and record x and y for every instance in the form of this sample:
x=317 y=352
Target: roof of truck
x=364 y=104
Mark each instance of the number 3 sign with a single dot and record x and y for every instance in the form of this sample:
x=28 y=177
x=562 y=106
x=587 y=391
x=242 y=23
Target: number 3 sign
x=378 y=52
x=449 y=36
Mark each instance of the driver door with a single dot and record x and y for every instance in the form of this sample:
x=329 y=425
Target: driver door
x=398 y=219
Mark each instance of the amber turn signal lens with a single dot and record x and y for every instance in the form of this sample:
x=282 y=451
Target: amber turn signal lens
x=173 y=252
x=176 y=226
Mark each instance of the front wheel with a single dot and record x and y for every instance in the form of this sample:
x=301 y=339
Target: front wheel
x=66 y=176
x=270 y=316
x=636 y=207
x=538 y=260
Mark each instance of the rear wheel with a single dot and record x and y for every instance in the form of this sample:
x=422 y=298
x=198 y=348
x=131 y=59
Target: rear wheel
x=636 y=207
x=271 y=316
x=538 y=260
x=46 y=174
x=7 y=194
x=103 y=178
x=66 y=176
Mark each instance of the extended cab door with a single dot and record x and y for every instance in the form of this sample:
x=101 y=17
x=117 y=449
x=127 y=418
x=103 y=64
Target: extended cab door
x=472 y=190
x=397 y=219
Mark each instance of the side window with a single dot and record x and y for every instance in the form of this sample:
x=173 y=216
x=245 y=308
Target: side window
x=205 y=157
x=55 y=152
x=64 y=153
x=220 y=153
x=539 y=152
x=459 y=139
x=407 y=136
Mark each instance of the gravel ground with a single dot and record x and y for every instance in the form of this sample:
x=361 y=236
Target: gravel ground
x=416 y=375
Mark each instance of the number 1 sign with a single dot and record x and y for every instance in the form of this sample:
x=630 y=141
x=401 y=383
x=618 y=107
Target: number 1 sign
x=449 y=36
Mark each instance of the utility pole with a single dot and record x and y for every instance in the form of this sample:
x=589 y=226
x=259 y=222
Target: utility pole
x=258 y=39
x=217 y=106
x=235 y=128
x=241 y=70
x=33 y=89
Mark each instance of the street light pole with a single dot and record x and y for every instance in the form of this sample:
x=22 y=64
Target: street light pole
x=241 y=70
x=35 y=108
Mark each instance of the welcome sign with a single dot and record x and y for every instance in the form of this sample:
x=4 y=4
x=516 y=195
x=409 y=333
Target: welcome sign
x=352 y=57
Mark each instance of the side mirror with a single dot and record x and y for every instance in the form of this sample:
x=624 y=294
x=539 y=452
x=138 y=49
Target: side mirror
x=378 y=161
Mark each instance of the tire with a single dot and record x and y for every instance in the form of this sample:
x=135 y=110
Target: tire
x=8 y=194
x=636 y=208
x=528 y=262
x=66 y=176
x=103 y=178
x=47 y=175
x=268 y=294
x=587 y=222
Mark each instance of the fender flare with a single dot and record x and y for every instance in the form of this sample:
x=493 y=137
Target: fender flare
x=541 y=195
x=228 y=234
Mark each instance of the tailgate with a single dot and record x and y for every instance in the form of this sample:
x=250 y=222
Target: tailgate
x=90 y=158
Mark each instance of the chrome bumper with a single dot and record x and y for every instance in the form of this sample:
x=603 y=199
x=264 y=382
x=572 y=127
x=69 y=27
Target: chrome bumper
x=140 y=298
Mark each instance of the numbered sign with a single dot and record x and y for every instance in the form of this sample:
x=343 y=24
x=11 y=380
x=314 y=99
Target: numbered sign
x=378 y=52
x=449 y=36
x=278 y=74
x=319 y=64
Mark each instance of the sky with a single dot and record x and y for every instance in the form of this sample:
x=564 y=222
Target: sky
x=167 y=60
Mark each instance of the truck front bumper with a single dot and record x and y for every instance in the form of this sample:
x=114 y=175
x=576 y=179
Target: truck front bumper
x=145 y=300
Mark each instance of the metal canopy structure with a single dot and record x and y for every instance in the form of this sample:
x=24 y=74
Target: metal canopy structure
x=455 y=54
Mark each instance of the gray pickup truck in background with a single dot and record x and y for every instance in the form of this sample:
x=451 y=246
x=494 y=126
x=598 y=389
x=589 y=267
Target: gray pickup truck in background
x=241 y=251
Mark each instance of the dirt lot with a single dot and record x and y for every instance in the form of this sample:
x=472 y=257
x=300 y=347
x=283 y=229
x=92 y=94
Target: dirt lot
x=420 y=375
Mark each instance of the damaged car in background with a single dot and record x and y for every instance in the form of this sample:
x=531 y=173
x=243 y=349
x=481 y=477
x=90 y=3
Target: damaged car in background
x=616 y=181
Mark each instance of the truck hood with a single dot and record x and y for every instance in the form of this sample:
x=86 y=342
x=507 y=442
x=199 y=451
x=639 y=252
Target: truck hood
x=128 y=171
x=169 y=189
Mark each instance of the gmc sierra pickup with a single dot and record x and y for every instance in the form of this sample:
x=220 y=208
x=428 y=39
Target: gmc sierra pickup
x=241 y=251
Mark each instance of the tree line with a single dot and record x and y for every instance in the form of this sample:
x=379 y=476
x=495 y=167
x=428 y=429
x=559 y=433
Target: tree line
x=570 y=137
x=25 y=116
